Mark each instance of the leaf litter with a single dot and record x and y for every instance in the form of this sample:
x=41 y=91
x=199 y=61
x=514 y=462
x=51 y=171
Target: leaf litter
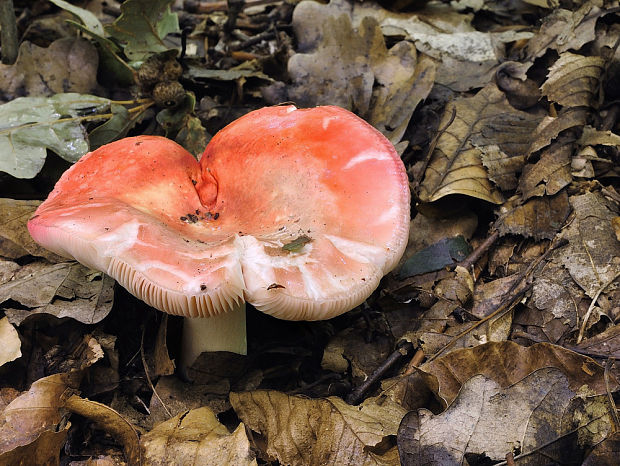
x=493 y=340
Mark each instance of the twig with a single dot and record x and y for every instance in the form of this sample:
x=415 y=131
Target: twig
x=582 y=329
x=196 y=6
x=479 y=251
x=610 y=398
x=8 y=33
x=403 y=348
x=146 y=372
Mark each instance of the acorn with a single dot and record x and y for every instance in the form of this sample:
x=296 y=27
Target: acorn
x=168 y=94
x=150 y=72
x=172 y=70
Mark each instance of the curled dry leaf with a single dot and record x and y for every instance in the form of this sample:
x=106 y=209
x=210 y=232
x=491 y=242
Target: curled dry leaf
x=550 y=127
x=471 y=126
x=549 y=174
x=31 y=427
x=574 y=80
x=592 y=255
x=111 y=422
x=532 y=416
x=64 y=290
x=10 y=349
x=538 y=218
x=196 y=437
x=328 y=431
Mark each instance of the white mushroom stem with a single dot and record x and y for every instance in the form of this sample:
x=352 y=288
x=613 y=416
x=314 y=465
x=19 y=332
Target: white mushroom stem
x=224 y=332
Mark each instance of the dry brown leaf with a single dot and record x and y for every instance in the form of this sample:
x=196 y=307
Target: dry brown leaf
x=492 y=420
x=15 y=241
x=550 y=127
x=10 y=349
x=111 y=422
x=564 y=30
x=70 y=66
x=196 y=437
x=594 y=137
x=538 y=218
x=549 y=174
x=352 y=67
x=605 y=453
x=573 y=80
x=328 y=431
x=606 y=343
x=592 y=255
x=67 y=289
x=34 y=413
x=484 y=120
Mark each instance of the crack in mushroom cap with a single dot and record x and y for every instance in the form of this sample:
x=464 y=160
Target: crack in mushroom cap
x=300 y=212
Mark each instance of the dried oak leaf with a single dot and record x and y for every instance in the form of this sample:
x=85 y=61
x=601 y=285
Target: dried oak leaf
x=474 y=126
x=592 y=255
x=563 y=30
x=533 y=417
x=327 y=431
x=31 y=426
x=67 y=289
x=15 y=241
x=352 y=67
x=196 y=437
x=70 y=66
x=538 y=218
x=573 y=80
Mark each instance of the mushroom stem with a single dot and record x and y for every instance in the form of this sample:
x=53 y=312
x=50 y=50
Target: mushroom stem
x=224 y=332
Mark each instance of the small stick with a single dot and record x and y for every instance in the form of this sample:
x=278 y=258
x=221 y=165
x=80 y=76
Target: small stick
x=582 y=329
x=146 y=372
x=403 y=348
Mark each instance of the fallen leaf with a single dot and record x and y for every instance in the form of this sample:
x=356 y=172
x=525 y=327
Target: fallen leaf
x=89 y=20
x=445 y=252
x=196 y=437
x=606 y=343
x=605 y=453
x=574 y=80
x=142 y=26
x=549 y=174
x=456 y=165
x=11 y=344
x=551 y=127
x=67 y=289
x=328 y=431
x=527 y=418
x=35 y=124
x=71 y=66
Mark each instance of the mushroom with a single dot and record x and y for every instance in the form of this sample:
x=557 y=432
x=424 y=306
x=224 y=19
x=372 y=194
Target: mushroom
x=299 y=212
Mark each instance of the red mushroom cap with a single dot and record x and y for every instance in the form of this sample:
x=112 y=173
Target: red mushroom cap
x=298 y=211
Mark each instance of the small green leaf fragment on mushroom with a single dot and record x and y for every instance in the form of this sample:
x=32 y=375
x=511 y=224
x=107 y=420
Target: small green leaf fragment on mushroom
x=296 y=244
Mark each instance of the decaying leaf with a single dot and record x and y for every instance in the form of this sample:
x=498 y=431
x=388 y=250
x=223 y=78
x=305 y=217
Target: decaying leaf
x=32 y=430
x=352 y=67
x=549 y=174
x=34 y=124
x=574 y=80
x=15 y=241
x=10 y=349
x=325 y=431
x=550 y=127
x=471 y=123
x=142 y=26
x=530 y=417
x=592 y=255
x=67 y=289
x=196 y=437
x=70 y=66
x=539 y=218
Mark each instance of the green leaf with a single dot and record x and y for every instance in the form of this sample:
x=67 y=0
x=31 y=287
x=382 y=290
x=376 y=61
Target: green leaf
x=115 y=128
x=90 y=21
x=142 y=26
x=31 y=125
x=444 y=252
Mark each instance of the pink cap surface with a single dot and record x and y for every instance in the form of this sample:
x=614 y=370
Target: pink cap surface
x=299 y=212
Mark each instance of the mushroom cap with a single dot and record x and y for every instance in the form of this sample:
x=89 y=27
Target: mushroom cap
x=300 y=212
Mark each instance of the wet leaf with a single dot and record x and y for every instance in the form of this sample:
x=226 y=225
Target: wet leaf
x=142 y=26
x=71 y=67
x=488 y=419
x=326 y=431
x=10 y=349
x=196 y=437
x=539 y=218
x=64 y=290
x=34 y=124
x=574 y=80
x=456 y=165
